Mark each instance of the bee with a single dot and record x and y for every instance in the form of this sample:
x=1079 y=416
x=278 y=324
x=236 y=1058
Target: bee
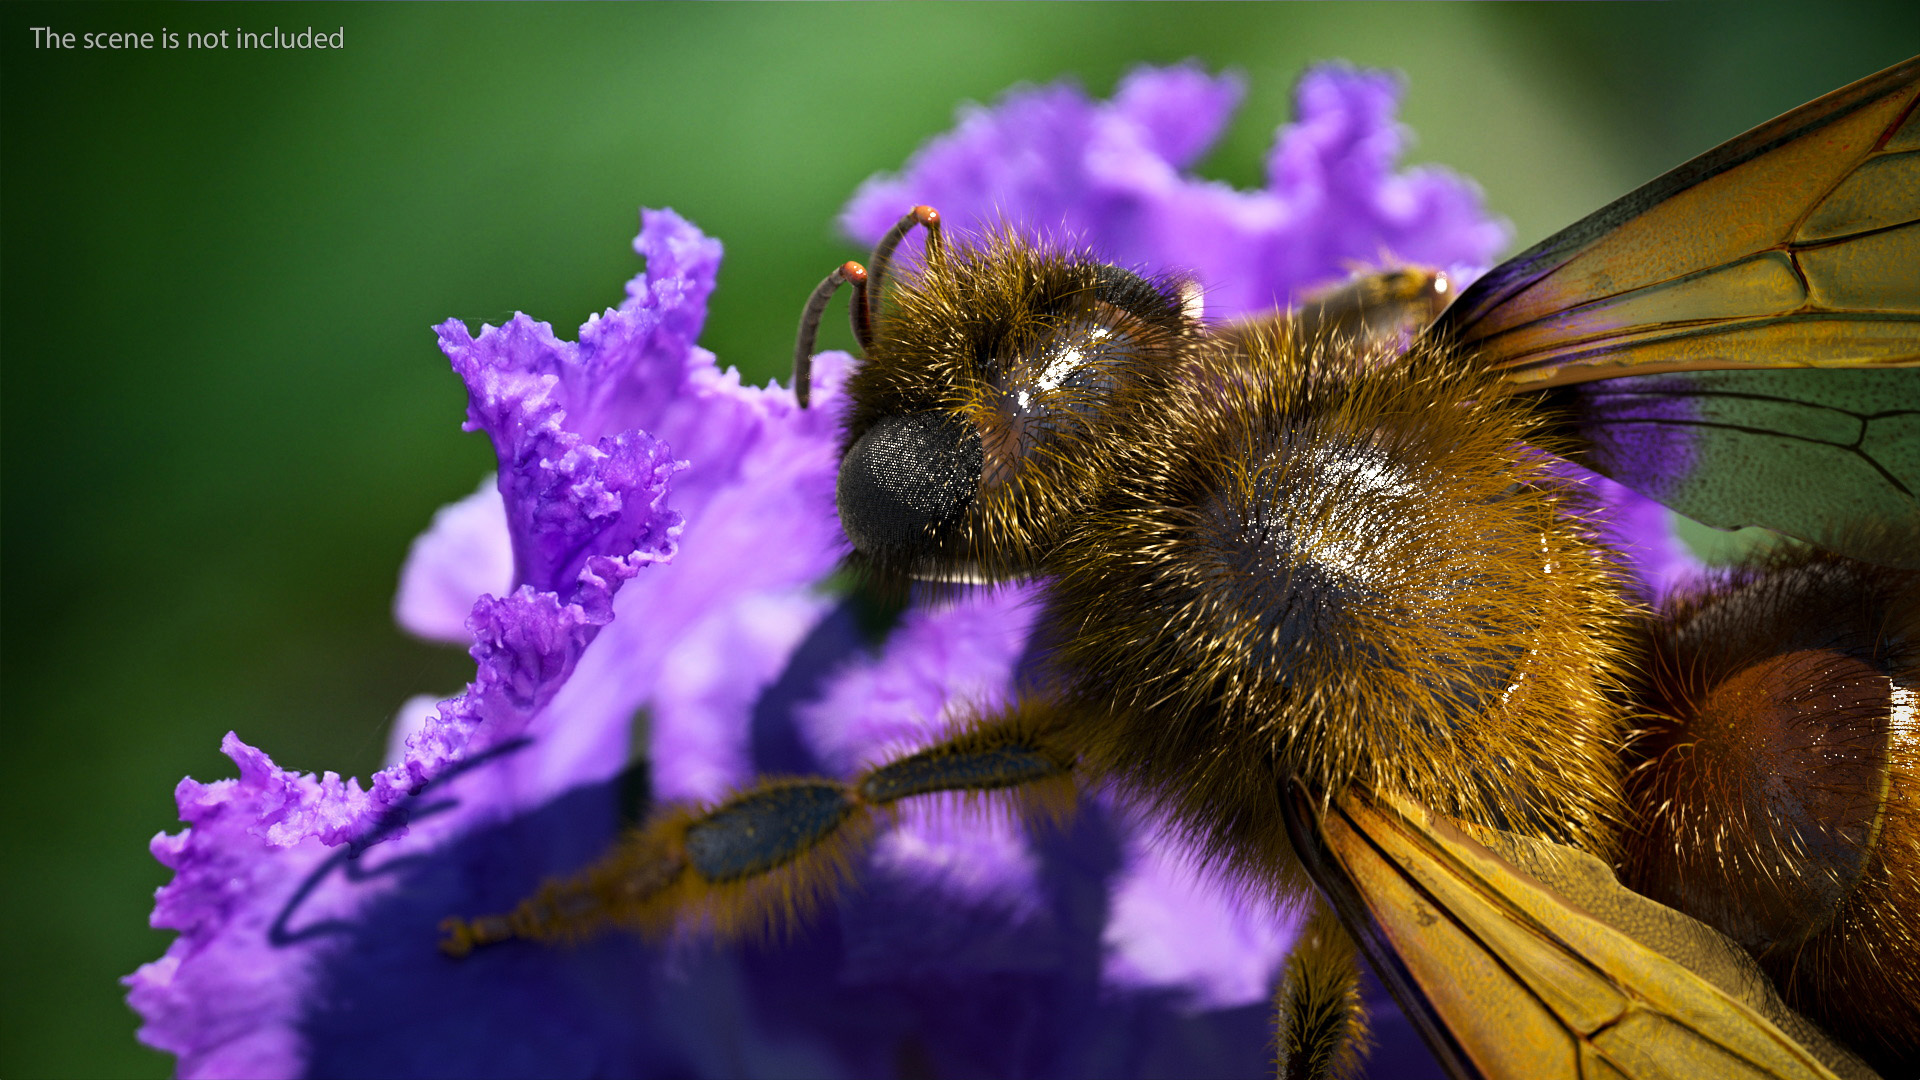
x=1318 y=591
x=1774 y=781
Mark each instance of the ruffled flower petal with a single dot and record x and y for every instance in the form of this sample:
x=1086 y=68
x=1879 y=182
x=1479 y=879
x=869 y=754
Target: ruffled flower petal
x=582 y=511
x=939 y=665
x=1110 y=176
x=940 y=660
x=464 y=554
x=220 y=998
x=1174 y=924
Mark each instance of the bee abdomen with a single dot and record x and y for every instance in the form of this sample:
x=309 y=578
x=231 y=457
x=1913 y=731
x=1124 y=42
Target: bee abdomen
x=1777 y=794
x=1776 y=779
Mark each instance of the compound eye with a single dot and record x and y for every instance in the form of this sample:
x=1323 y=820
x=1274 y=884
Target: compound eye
x=905 y=481
x=1136 y=295
x=1054 y=386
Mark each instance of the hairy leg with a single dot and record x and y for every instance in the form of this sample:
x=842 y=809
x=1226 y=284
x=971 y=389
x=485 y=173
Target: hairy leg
x=766 y=856
x=1320 y=1023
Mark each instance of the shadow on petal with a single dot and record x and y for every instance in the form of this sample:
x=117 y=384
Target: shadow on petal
x=973 y=996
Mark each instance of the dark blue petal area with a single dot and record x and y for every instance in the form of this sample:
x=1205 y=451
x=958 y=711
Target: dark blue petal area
x=384 y=1002
x=901 y=980
x=973 y=997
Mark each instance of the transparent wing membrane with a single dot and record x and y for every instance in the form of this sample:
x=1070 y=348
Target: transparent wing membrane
x=1832 y=457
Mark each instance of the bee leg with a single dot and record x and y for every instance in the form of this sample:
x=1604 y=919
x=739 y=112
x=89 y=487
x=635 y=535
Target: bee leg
x=769 y=854
x=1320 y=1023
x=1388 y=307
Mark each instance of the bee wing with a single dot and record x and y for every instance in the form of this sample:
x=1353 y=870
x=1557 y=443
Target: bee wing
x=1794 y=246
x=1508 y=978
x=1829 y=456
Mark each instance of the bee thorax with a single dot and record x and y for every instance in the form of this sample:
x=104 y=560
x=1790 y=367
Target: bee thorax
x=1352 y=573
x=1332 y=547
x=1319 y=511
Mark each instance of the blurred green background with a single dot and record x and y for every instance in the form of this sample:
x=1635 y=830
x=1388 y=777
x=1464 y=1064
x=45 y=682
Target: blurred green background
x=225 y=418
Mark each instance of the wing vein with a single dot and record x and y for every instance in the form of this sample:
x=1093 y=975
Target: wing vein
x=1853 y=448
x=1518 y=917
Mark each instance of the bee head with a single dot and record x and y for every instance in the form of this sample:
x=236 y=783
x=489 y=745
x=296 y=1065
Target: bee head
x=995 y=380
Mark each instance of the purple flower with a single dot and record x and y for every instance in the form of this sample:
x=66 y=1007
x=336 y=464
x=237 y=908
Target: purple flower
x=268 y=861
x=1110 y=175
x=1641 y=531
x=651 y=547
